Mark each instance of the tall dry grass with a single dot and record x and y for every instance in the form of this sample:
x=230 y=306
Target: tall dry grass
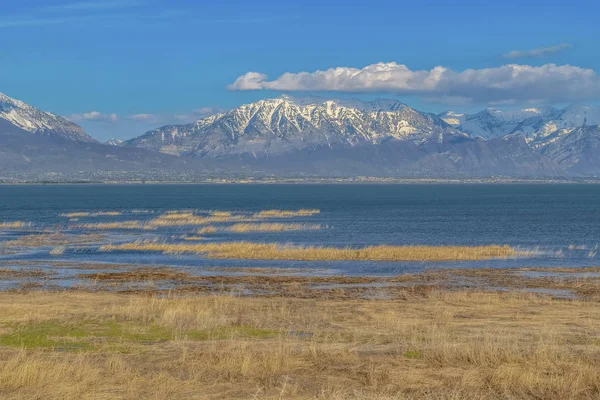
x=258 y=227
x=113 y=225
x=207 y=230
x=271 y=251
x=271 y=227
x=53 y=239
x=286 y=213
x=14 y=225
x=447 y=345
x=190 y=219
x=81 y=214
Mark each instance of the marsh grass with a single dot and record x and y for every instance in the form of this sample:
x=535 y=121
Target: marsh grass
x=53 y=239
x=271 y=251
x=113 y=225
x=83 y=214
x=190 y=219
x=6 y=273
x=286 y=213
x=14 y=225
x=271 y=227
x=207 y=230
x=258 y=227
x=445 y=345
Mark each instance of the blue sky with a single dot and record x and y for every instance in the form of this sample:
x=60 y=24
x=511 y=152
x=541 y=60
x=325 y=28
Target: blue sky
x=102 y=62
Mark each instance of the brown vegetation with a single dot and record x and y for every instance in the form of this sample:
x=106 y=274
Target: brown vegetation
x=53 y=239
x=442 y=345
x=271 y=227
x=285 y=213
x=14 y=225
x=91 y=214
x=113 y=225
x=271 y=251
x=189 y=219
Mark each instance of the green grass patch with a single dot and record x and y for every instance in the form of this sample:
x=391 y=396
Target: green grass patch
x=84 y=335
x=89 y=335
x=48 y=335
x=413 y=354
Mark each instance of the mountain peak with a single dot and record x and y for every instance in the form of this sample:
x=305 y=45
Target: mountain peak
x=284 y=124
x=365 y=106
x=30 y=119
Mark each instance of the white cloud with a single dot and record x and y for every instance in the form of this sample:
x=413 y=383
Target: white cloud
x=507 y=83
x=143 y=117
x=95 y=116
x=538 y=52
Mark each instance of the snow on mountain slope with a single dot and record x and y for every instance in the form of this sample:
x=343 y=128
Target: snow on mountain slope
x=281 y=125
x=492 y=122
x=578 y=151
x=453 y=118
x=540 y=131
x=39 y=122
x=114 y=142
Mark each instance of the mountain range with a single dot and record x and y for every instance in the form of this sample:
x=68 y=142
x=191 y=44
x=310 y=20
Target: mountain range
x=39 y=143
x=289 y=136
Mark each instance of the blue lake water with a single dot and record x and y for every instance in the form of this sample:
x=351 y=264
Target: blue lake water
x=560 y=223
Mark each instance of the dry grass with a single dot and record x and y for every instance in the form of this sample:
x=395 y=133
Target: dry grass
x=221 y=214
x=445 y=345
x=14 y=225
x=193 y=238
x=207 y=229
x=92 y=214
x=258 y=227
x=285 y=213
x=53 y=239
x=6 y=273
x=113 y=225
x=270 y=251
x=271 y=227
x=190 y=219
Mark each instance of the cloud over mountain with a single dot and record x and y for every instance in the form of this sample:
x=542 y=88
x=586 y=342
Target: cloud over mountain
x=507 y=83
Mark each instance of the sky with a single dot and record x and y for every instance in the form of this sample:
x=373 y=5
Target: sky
x=121 y=67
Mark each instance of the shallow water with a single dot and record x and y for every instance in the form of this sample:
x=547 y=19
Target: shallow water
x=560 y=224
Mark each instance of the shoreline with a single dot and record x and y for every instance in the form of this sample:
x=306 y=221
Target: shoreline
x=391 y=181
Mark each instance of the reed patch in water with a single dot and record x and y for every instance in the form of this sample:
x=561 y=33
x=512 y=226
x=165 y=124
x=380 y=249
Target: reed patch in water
x=83 y=214
x=53 y=239
x=271 y=227
x=14 y=225
x=272 y=251
x=113 y=225
x=286 y=213
x=207 y=229
x=189 y=219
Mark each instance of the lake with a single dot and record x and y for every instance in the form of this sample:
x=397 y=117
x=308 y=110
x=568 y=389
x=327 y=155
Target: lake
x=558 y=223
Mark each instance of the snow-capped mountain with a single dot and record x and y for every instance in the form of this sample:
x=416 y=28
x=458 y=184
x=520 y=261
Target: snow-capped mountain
x=113 y=142
x=568 y=137
x=542 y=130
x=577 y=151
x=492 y=122
x=30 y=119
x=281 y=125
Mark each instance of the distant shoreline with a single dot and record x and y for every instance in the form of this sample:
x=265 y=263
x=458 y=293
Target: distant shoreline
x=324 y=181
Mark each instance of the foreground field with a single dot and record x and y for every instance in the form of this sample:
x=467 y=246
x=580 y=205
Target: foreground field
x=436 y=344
